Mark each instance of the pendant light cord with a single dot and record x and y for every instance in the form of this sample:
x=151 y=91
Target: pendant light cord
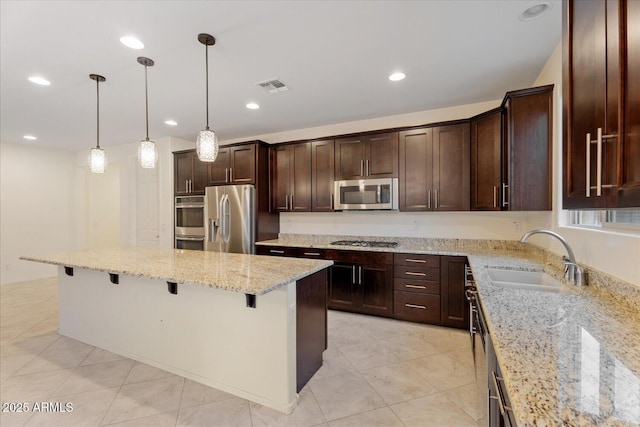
x=146 y=100
x=206 y=67
x=98 y=113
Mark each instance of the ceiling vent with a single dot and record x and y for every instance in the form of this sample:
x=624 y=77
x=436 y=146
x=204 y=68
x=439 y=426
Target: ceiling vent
x=273 y=86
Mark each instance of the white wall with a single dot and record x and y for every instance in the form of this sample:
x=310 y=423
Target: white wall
x=37 y=211
x=612 y=252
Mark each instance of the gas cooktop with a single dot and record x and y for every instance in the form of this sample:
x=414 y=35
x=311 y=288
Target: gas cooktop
x=365 y=243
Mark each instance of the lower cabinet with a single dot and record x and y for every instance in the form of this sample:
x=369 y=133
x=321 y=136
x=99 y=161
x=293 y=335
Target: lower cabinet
x=455 y=307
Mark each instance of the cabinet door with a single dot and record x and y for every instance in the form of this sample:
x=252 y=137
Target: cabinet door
x=453 y=304
x=182 y=171
x=322 y=170
x=280 y=167
x=243 y=164
x=629 y=194
x=300 y=177
x=219 y=170
x=590 y=83
x=486 y=143
x=529 y=115
x=343 y=293
x=200 y=175
x=350 y=155
x=376 y=287
x=451 y=168
x=415 y=158
x=381 y=157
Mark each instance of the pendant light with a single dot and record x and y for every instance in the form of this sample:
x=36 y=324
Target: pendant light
x=147 y=152
x=97 y=156
x=207 y=142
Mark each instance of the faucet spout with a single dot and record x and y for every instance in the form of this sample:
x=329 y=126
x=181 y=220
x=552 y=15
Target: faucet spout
x=573 y=272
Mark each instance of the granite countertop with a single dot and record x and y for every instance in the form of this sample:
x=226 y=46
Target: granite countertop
x=252 y=274
x=570 y=358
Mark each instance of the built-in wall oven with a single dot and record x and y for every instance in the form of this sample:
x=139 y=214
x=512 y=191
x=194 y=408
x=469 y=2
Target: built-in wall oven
x=189 y=222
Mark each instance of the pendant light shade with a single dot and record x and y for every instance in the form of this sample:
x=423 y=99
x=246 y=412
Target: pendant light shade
x=207 y=142
x=147 y=151
x=97 y=156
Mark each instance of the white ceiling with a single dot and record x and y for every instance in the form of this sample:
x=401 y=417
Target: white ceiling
x=334 y=55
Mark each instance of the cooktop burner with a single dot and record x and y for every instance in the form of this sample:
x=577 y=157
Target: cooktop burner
x=365 y=243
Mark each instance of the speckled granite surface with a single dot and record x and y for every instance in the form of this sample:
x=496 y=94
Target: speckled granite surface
x=568 y=359
x=251 y=274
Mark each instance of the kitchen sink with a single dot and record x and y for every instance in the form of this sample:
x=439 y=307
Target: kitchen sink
x=528 y=280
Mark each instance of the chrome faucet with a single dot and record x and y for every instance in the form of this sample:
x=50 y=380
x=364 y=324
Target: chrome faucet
x=572 y=271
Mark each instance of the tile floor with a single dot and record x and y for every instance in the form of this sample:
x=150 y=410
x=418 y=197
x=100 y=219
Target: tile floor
x=376 y=372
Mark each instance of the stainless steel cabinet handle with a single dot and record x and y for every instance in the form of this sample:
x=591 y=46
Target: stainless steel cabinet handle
x=415 y=286
x=191 y=239
x=429 y=200
x=421 y=307
x=505 y=202
x=599 y=186
x=332 y=201
x=421 y=261
x=230 y=174
x=359 y=275
x=411 y=273
x=599 y=162
x=495 y=196
x=275 y=251
x=353 y=274
x=588 y=167
x=291 y=204
x=367 y=169
x=437 y=198
x=312 y=253
x=186 y=186
x=362 y=167
x=286 y=202
x=226 y=174
x=500 y=398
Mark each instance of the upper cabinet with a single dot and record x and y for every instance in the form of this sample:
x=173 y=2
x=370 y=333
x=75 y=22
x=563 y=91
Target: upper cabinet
x=234 y=165
x=291 y=177
x=526 y=162
x=434 y=168
x=601 y=104
x=322 y=175
x=367 y=156
x=190 y=174
x=486 y=161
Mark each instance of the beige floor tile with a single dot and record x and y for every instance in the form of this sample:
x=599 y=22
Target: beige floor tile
x=397 y=383
x=47 y=325
x=407 y=347
x=88 y=410
x=446 y=339
x=30 y=345
x=443 y=372
x=56 y=358
x=99 y=355
x=306 y=414
x=70 y=343
x=195 y=394
x=433 y=410
x=10 y=364
x=383 y=417
x=33 y=387
x=166 y=419
x=463 y=356
x=142 y=372
x=145 y=399
x=470 y=399
x=380 y=328
x=349 y=335
x=229 y=413
x=343 y=395
x=14 y=419
x=334 y=363
x=95 y=377
x=369 y=355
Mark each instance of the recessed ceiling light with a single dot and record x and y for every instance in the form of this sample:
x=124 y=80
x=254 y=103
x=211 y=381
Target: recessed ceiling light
x=132 y=42
x=253 y=106
x=30 y=137
x=39 y=80
x=535 y=11
x=395 y=77
x=171 y=122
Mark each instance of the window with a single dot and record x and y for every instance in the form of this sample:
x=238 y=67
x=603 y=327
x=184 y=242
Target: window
x=624 y=219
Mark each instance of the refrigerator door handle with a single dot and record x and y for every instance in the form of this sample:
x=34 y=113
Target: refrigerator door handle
x=248 y=228
x=226 y=206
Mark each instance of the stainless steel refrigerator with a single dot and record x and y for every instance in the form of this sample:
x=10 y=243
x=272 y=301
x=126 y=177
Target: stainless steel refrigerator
x=230 y=219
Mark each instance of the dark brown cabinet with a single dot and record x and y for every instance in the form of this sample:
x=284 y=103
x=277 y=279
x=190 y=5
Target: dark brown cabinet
x=434 y=168
x=601 y=104
x=526 y=162
x=322 y=175
x=417 y=288
x=190 y=174
x=291 y=177
x=455 y=307
x=234 y=165
x=486 y=161
x=367 y=156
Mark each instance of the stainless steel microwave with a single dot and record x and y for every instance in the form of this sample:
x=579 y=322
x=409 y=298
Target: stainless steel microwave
x=366 y=194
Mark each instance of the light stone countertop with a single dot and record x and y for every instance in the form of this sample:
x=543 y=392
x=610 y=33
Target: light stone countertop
x=568 y=359
x=251 y=274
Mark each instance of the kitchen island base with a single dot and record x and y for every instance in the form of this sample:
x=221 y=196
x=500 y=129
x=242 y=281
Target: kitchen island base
x=264 y=354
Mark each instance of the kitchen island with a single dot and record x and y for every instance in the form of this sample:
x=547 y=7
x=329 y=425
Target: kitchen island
x=252 y=326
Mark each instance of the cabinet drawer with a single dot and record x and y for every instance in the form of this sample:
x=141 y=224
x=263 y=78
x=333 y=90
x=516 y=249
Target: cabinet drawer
x=416 y=273
x=360 y=257
x=275 y=250
x=310 y=253
x=418 y=260
x=416 y=307
x=420 y=286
